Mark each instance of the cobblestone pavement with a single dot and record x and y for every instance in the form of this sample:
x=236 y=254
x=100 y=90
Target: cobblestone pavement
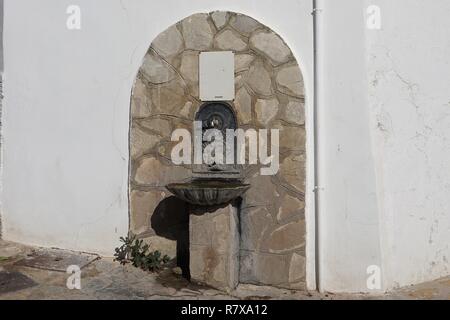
x=105 y=279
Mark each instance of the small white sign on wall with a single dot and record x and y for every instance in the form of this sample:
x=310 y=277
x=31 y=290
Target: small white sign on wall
x=216 y=76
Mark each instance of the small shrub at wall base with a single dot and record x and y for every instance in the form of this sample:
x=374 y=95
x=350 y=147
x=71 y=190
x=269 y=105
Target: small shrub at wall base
x=137 y=253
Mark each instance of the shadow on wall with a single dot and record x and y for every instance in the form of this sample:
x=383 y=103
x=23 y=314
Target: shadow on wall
x=170 y=220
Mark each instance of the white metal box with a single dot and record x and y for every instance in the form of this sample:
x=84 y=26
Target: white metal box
x=216 y=76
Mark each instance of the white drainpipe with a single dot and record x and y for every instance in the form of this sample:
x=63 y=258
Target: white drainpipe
x=317 y=11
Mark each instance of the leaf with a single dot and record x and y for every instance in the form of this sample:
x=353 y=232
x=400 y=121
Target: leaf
x=137 y=252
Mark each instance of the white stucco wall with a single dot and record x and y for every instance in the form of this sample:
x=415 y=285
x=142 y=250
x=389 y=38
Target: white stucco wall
x=67 y=95
x=383 y=123
x=409 y=81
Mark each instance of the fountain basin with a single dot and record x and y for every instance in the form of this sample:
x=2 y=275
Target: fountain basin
x=207 y=192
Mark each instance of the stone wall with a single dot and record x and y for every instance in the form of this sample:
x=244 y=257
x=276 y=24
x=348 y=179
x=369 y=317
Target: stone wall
x=269 y=94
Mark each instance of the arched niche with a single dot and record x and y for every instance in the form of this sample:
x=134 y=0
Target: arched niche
x=269 y=94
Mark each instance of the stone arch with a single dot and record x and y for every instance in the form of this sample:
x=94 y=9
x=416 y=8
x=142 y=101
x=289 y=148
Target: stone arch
x=269 y=94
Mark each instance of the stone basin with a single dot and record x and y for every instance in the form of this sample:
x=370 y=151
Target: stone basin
x=208 y=192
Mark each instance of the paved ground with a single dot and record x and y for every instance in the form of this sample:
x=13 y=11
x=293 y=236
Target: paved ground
x=106 y=279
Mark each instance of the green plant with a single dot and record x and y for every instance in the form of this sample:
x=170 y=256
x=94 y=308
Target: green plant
x=137 y=253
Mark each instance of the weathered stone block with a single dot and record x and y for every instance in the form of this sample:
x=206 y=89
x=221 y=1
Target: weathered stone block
x=266 y=110
x=214 y=254
x=269 y=92
x=258 y=78
x=290 y=206
x=169 y=43
x=242 y=61
x=151 y=172
x=220 y=19
x=189 y=71
x=238 y=82
x=243 y=105
x=156 y=70
x=292 y=170
x=158 y=126
x=141 y=105
x=263 y=268
x=290 y=81
x=297 y=268
x=163 y=245
x=255 y=221
x=142 y=206
x=168 y=98
x=292 y=138
x=286 y=238
x=295 y=112
x=271 y=45
x=244 y=24
x=261 y=193
x=187 y=111
x=208 y=266
x=141 y=142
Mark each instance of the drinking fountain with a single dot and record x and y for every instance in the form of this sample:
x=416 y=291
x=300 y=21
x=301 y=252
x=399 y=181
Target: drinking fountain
x=213 y=184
